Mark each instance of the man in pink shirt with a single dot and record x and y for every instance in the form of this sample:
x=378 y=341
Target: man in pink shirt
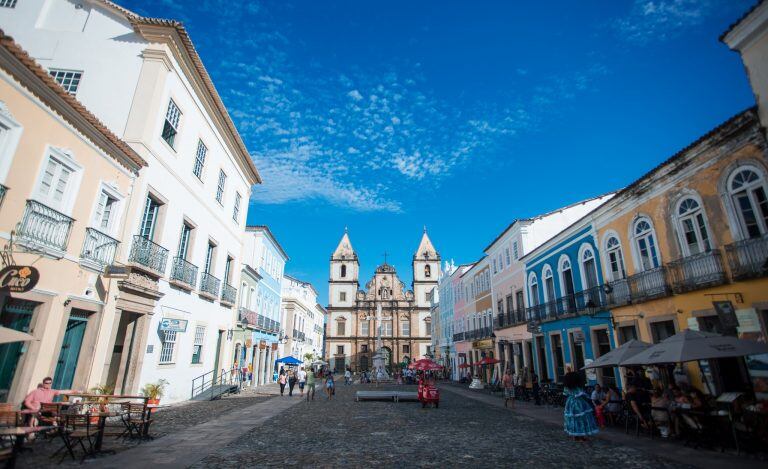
x=43 y=395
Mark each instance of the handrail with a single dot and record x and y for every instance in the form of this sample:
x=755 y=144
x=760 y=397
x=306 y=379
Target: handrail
x=207 y=381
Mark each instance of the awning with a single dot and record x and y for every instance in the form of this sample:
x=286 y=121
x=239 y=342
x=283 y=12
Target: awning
x=290 y=361
x=690 y=345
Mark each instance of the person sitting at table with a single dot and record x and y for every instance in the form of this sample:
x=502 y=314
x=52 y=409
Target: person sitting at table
x=43 y=394
x=638 y=400
x=698 y=401
x=660 y=412
x=610 y=406
x=598 y=395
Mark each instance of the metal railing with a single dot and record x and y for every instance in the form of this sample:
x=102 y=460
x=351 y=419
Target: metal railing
x=209 y=284
x=98 y=247
x=148 y=254
x=3 y=190
x=617 y=292
x=458 y=337
x=698 y=271
x=214 y=384
x=184 y=272
x=748 y=258
x=43 y=225
x=246 y=316
x=649 y=285
x=228 y=293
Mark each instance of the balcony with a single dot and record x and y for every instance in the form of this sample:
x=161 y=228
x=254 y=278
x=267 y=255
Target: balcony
x=98 y=249
x=748 y=258
x=148 y=256
x=648 y=285
x=617 y=292
x=246 y=316
x=44 y=227
x=183 y=274
x=209 y=286
x=228 y=294
x=696 y=272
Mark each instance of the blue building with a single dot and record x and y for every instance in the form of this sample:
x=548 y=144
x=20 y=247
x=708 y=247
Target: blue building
x=259 y=330
x=567 y=315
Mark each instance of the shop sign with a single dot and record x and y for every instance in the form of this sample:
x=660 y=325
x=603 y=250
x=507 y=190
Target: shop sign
x=18 y=278
x=578 y=337
x=727 y=315
x=116 y=271
x=262 y=344
x=274 y=346
x=485 y=343
x=173 y=325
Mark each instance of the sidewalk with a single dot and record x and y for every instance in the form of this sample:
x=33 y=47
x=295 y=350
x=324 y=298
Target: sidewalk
x=669 y=449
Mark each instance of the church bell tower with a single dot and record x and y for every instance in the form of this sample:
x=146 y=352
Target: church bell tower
x=426 y=270
x=345 y=269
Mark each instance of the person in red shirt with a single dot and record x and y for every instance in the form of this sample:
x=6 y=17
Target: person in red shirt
x=42 y=395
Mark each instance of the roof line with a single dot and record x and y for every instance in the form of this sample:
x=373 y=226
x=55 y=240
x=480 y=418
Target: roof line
x=43 y=77
x=271 y=235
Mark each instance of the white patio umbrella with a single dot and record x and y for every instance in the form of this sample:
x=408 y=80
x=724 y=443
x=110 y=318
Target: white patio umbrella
x=690 y=345
x=12 y=335
x=619 y=355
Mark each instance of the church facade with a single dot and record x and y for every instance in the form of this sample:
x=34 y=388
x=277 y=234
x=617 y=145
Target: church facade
x=352 y=322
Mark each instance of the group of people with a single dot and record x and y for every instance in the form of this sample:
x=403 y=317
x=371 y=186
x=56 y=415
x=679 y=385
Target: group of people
x=306 y=378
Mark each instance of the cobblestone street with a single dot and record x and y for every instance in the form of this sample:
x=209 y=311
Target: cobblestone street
x=342 y=432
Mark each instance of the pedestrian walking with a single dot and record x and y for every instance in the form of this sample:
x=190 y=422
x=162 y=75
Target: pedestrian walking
x=578 y=415
x=282 y=380
x=302 y=377
x=291 y=382
x=347 y=377
x=329 y=386
x=310 y=385
x=509 y=388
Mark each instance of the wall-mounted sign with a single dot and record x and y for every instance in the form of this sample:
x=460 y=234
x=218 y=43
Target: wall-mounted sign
x=174 y=325
x=262 y=344
x=18 y=278
x=578 y=337
x=274 y=346
x=116 y=271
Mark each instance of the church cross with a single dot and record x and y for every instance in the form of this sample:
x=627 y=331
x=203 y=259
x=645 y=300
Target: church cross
x=385 y=257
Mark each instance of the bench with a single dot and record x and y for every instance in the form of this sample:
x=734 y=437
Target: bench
x=395 y=396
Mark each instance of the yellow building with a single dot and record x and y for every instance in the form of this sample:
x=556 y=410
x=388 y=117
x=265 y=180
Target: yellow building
x=687 y=244
x=65 y=181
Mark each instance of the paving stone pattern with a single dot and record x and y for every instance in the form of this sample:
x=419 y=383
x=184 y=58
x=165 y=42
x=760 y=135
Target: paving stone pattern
x=461 y=432
x=166 y=421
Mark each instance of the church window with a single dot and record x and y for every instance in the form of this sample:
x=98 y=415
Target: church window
x=365 y=328
x=427 y=271
x=342 y=296
x=343 y=270
x=406 y=348
x=341 y=328
x=386 y=328
x=405 y=328
x=339 y=350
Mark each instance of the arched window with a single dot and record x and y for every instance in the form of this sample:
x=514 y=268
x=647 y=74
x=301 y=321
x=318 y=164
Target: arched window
x=588 y=267
x=645 y=243
x=615 y=258
x=692 y=224
x=747 y=188
x=427 y=271
x=549 y=283
x=567 y=288
x=533 y=290
x=343 y=270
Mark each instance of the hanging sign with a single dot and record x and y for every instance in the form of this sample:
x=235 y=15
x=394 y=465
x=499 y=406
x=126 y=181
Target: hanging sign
x=262 y=344
x=173 y=325
x=18 y=278
x=274 y=346
x=727 y=315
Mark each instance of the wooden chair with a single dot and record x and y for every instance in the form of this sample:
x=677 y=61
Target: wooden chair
x=76 y=429
x=135 y=419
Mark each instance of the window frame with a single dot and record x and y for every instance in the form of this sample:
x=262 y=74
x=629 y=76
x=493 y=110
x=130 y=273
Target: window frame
x=165 y=340
x=168 y=114
x=618 y=251
x=221 y=187
x=733 y=207
x=697 y=217
x=198 y=166
x=64 y=160
x=77 y=78
x=197 y=348
x=645 y=236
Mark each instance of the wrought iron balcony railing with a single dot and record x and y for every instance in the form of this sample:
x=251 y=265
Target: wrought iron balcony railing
x=748 y=258
x=184 y=272
x=98 y=247
x=648 y=285
x=148 y=254
x=698 y=271
x=246 y=316
x=617 y=292
x=209 y=284
x=228 y=294
x=458 y=337
x=45 y=226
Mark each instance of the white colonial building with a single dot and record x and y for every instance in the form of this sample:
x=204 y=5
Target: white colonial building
x=303 y=319
x=186 y=216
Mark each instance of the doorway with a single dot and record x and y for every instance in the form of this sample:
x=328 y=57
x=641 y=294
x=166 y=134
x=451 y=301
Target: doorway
x=16 y=314
x=70 y=349
x=577 y=346
x=557 y=357
x=542 y=359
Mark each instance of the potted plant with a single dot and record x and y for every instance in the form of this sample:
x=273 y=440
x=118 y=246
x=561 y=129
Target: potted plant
x=154 y=391
x=102 y=402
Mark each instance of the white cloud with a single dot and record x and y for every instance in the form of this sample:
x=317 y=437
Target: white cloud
x=354 y=94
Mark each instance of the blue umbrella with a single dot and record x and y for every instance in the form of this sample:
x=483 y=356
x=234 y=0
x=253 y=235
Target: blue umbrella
x=290 y=361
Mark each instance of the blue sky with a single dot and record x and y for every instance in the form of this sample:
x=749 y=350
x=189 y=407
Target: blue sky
x=385 y=116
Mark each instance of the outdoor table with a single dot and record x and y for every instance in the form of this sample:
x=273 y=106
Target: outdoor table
x=102 y=422
x=150 y=408
x=20 y=433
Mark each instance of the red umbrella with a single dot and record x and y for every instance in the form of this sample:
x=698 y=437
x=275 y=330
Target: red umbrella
x=428 y=367
x=488 y=361
x=464 y=365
